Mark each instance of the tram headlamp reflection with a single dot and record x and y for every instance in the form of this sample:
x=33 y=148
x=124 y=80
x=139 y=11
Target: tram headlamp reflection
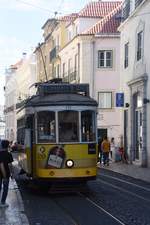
x=69 y=163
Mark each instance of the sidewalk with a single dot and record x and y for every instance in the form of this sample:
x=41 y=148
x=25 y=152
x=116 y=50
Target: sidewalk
x=14 y=214
x=132 y=170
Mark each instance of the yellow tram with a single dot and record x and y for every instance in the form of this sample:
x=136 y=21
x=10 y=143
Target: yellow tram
x=57 y=128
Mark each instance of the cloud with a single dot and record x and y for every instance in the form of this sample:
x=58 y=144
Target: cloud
x=11 y=51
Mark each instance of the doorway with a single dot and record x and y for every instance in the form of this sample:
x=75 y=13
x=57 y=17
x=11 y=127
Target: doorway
x=138 y=132
x=102 y=133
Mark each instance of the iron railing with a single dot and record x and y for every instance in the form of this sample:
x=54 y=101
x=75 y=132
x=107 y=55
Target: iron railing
x=138 y=2
x=54 y=53
x=70 y=77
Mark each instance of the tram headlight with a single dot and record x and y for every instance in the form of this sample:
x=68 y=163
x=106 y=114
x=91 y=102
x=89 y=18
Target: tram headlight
x=69 y=163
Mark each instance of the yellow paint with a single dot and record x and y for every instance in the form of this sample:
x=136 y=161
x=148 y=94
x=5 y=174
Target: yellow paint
x=84 y=163
x=66 y=173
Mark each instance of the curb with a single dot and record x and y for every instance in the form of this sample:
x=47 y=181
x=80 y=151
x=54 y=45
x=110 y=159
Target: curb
x=23 y=217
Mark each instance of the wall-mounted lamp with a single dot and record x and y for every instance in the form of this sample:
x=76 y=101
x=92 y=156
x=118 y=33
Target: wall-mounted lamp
x=127 y=105
x=145 y=101
x=19 y=98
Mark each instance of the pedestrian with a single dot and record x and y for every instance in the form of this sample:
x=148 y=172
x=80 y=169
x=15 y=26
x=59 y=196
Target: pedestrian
x=112 y=147
x=6 y=160
x=100 y=153
x=105 y=149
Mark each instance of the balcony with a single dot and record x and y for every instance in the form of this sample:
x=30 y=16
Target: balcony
x=70 y=77
x=54 y=53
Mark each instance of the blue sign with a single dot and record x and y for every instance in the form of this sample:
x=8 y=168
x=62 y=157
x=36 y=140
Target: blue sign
x=119 y=99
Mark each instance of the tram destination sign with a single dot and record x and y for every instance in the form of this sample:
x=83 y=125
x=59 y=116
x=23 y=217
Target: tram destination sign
x=45 y=89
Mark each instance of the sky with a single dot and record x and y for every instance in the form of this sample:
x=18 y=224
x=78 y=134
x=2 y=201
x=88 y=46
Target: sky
x=20 y=27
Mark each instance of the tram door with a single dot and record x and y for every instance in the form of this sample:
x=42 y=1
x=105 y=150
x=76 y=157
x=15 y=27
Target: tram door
x=138 y=132
x=29 y=139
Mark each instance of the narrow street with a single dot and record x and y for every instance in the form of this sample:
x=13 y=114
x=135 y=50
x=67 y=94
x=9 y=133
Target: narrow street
x=111 y=199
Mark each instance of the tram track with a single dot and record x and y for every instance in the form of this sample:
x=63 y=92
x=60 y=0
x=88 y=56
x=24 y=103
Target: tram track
x=124 y=181
x=102 y=209
x=122 y=189
x=86 y=203
x=98 y=204
x=71 y=218
x=127 y=187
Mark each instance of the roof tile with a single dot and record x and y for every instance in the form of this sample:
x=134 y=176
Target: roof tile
x=108 y=24
x=98 y=9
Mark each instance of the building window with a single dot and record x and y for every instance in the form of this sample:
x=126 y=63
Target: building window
x=69 y=35
x=126 y=55
x=104 y=59
x=105 y=100
x=64 y=69
x=58 y=70
x=69 y=66
x=139 y=45
x=76 y=62
x=76 y=30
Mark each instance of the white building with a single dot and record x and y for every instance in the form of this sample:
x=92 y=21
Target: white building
x=19 y=78
x=2 y=122
x=91 y=55
x=135 y=74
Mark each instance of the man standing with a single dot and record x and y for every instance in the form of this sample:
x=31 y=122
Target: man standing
x=105 y=149
x=6 y=160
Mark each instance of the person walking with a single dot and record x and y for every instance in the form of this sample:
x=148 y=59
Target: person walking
x=105 y=149
x=112 y=147
x=100 y=153
x=6 y=160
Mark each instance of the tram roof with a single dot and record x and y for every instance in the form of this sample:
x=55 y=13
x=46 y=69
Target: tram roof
x=58 y=100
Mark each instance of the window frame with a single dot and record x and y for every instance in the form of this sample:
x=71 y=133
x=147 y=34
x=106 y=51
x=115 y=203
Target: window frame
x=105 y=92
x=88 y=131
x=139 y=50
x=41 y=127
x=105 y=58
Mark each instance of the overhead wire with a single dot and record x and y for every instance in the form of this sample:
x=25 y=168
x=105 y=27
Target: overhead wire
x=35 y=6
x=44 y=9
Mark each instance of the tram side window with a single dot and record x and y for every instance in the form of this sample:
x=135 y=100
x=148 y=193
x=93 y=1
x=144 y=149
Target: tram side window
x=68 y=126
x=88 y=129
x=46 y=126
x=21 y=131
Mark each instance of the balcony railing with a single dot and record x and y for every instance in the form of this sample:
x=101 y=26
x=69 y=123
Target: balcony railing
x=70 y=77
x=138 y=2
x=54 y=53
x=126 y=9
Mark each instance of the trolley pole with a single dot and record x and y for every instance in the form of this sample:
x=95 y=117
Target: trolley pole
x=39 y=46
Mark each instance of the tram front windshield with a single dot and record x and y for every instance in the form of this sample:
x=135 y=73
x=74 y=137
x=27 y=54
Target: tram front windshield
x=46 y=127
x=68 y=126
